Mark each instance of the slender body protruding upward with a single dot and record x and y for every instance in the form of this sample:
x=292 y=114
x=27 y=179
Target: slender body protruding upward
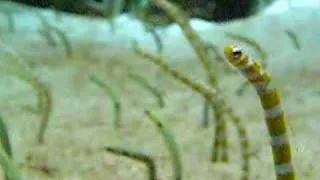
x=271 y=104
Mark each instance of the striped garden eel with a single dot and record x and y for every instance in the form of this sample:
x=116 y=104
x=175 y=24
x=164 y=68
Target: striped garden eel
x=271 y=104
x=220 y=141
x=210 y=94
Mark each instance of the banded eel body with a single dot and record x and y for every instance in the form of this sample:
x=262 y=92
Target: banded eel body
x=227 y=112
x=209 y=94
x=44 y=103
x=220 y=141
x=138 y=156
x=271 y=104
x=181 y=18
x=46 y=110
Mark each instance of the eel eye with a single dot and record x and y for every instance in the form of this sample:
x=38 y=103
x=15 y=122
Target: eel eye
x=237 y=53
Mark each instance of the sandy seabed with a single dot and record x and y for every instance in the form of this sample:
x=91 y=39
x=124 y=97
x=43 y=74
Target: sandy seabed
x=81 y=122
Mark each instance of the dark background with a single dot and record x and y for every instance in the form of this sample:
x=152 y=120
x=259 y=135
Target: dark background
x=212 y=10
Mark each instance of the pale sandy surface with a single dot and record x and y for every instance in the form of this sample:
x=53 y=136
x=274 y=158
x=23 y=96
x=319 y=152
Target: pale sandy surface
x=81 y=123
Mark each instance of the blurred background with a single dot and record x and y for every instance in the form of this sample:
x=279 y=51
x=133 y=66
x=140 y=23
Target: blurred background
x=65 y=42
x=213 y=10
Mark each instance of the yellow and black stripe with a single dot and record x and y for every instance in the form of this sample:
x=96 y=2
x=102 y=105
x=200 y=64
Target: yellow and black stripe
x=274 y=115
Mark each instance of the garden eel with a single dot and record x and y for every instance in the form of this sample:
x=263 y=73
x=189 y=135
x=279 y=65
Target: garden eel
x=273 y=111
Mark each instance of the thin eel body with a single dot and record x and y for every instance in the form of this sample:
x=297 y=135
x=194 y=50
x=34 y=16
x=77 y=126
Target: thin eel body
x=273 y=112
